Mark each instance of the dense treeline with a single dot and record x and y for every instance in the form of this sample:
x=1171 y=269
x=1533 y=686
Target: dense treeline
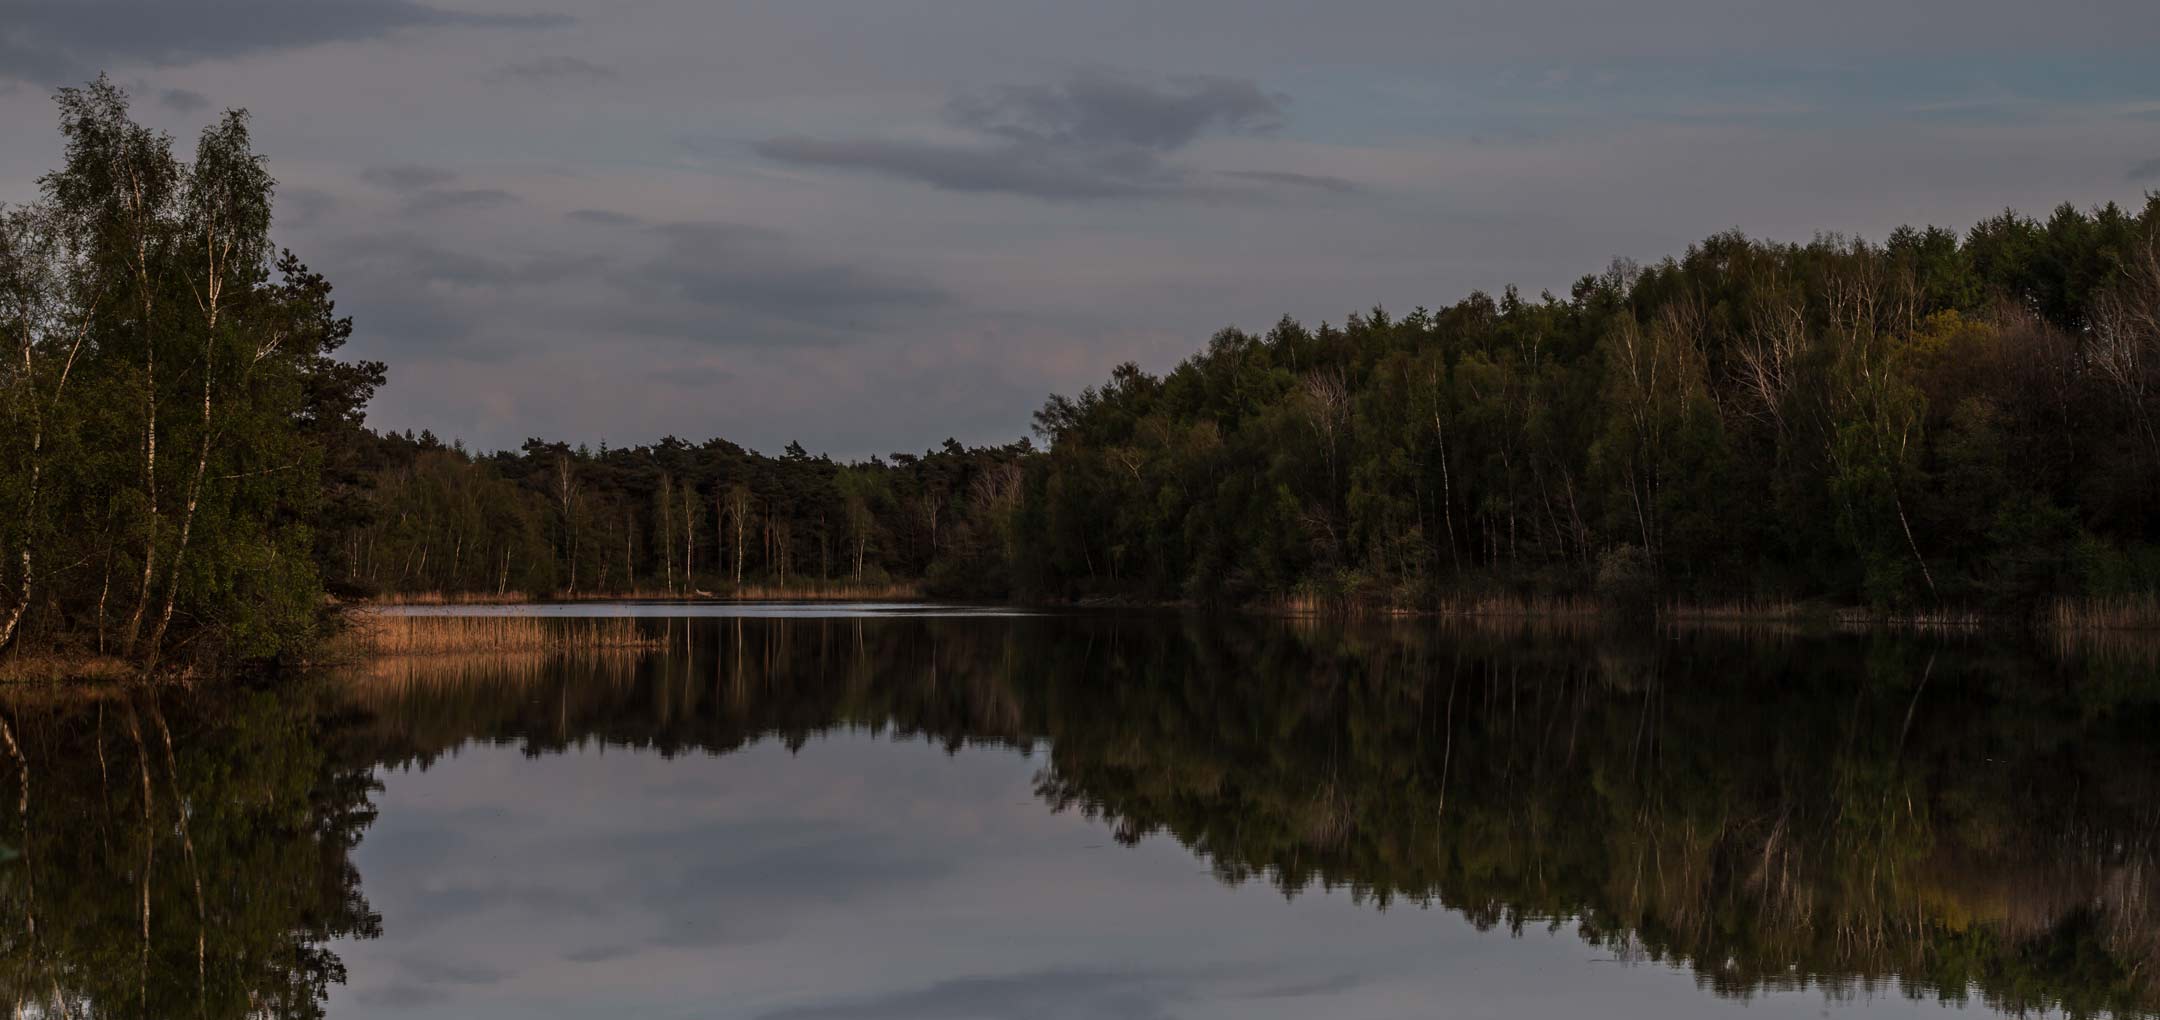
x=168 y=393
x=1934 y=421
x=671 y=519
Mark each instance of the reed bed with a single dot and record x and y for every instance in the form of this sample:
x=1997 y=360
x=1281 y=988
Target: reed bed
x=1739 y=611
x=43 y=668
x=800 y=591
x=836 y=591
x=455 y=598
x=369 y=633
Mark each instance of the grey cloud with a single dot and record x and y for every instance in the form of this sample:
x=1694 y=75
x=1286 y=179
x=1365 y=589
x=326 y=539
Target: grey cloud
x=445 y=199
x=556 y=68
x=1093 y=136
x=597 y=954
x=1099 y=109
x=1022 y=170
x=303 y=206
x=406 y=178
x=52 y=43
x=1050 y=995
x=2146 y=170
x=436 y=971
x=428 y=261
x=1314 y=988
x=183 y=100
x=735 y=898
x=401 y=995
x=691 y=376
x=1321 y=182
x=420 y=298
x=424 y=190
x=760 y=285
x=604 y=217
x=459 y=902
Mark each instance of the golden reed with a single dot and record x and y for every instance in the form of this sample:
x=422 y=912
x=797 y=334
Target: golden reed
x=372 y=633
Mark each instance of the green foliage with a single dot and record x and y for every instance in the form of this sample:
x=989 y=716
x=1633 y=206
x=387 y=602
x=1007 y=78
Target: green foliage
x=1933 y=422
x=170 y=400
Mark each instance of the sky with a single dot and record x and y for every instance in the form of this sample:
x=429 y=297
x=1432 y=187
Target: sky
x=870 y=225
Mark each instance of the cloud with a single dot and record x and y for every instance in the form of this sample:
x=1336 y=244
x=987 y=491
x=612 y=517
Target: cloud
x=446 y=199
x=51 y=43
x=1050 y=995
x=603 y=217
x=425 y=192
x=1338 y=185
x=733 y=284
x=1020 y=170
x=1095 y=135
x=406 y=178
x=1098 y=109
x=556 y=68
x=2147 y=170
x=417 y=298
x=183 y=100
x=304 y=206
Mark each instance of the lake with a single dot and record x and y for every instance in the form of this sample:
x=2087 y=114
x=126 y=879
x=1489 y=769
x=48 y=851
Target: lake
x=870 y=811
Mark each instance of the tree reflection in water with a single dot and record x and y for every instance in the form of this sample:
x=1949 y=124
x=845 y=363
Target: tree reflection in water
x=1954 y=818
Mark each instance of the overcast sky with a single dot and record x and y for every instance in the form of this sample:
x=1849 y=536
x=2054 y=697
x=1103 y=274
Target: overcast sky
x=872 y=224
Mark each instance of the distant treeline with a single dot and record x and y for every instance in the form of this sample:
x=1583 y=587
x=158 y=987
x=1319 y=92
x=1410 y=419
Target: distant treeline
x=671 y=519
x=1940 y=423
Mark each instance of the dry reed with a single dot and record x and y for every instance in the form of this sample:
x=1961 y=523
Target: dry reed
x=796 y=591
x=455 y=598
x=369 y=633
x=46 y=668
x=838 y=591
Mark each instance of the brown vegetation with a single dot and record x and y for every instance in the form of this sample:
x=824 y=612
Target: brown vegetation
x=372 y=633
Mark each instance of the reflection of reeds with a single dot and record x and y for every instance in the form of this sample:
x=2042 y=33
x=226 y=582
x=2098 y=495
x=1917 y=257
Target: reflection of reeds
x=1742 y=611
x=370 y=633
x=377 y=676
x=1495 y=605
x=2119 y=612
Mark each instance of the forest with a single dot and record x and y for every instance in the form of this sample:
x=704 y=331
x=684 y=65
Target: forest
x=1939 y=424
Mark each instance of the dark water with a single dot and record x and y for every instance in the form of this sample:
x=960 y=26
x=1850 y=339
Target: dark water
x=924 y=816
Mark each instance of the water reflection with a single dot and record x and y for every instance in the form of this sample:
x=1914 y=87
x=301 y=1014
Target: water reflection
x=1940 y=819
x=174 y=855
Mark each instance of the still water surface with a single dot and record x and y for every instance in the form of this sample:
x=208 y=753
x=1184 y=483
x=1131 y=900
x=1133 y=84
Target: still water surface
x=858 y=812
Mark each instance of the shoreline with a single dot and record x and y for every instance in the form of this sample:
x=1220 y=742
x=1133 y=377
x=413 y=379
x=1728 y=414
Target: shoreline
x=2067 y=623
x=2061 y=616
